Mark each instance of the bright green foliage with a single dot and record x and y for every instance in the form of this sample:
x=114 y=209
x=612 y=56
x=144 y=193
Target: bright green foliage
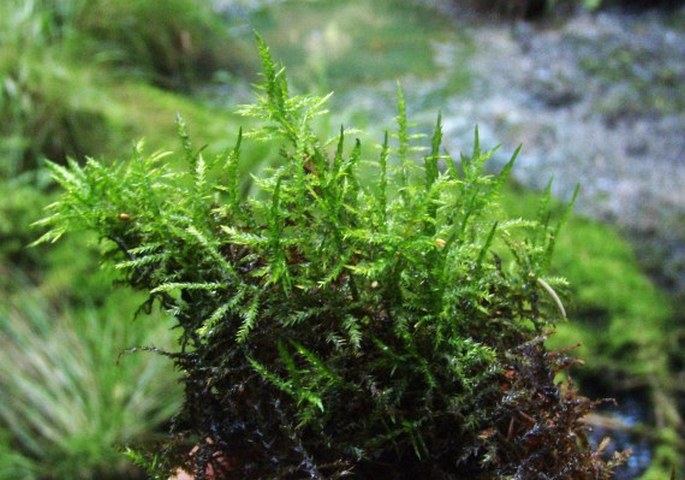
x=333 y=324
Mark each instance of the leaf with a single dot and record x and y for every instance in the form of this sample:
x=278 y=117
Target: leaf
x=403 y=138
x=210 y=248
x=557 y=301
x=141 y=261
x=431 y=161
x=320 y=366
x=186 y=144
x=249 y=317
x=174 y=286
x=353 y=330
x=214 y=319
x=503 y=175
x=486 y=245
x=383 y=181
x=553 y=237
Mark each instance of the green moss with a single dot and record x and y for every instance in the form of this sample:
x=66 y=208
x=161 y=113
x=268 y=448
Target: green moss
x=610 y=289
x=619 y=316
x=330 y=324
x=616 y=312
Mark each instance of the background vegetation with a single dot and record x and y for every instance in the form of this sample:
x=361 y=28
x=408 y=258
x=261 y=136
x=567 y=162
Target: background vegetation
x=89 y=78
x=535 y=9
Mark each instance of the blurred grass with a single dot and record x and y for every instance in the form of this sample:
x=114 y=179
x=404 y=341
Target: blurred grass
x=13 y=464
x=68 y=397
x=58 y=58
x=341 y=45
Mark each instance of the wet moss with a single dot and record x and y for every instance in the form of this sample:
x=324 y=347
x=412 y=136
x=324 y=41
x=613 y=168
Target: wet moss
x=624 y=323
x=331 y=325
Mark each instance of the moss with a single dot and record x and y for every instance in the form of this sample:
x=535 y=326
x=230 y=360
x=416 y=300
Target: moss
x=636 y=313
x=333 y=325
x=617 y=312
x=621 y=319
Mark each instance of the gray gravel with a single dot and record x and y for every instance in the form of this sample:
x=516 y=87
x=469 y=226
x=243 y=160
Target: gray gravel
x=598 y=100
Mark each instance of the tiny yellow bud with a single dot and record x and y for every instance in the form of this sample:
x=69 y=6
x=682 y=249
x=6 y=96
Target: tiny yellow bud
x=374 y=284
x=440 y=243
x=124 y=217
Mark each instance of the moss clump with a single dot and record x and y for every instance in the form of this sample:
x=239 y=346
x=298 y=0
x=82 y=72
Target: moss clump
x=334 y=326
